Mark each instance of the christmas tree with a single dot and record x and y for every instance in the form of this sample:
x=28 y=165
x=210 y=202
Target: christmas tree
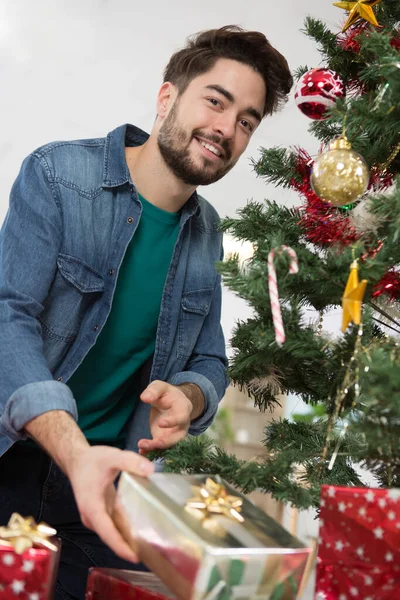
x=345 y=240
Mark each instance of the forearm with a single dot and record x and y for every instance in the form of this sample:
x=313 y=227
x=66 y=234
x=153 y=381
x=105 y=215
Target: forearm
x=57 y=432
x=196 y=397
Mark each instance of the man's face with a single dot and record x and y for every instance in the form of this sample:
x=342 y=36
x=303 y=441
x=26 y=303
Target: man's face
x=209 y=126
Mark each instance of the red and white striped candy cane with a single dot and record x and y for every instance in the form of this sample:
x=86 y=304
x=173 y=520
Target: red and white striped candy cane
x=273 y=290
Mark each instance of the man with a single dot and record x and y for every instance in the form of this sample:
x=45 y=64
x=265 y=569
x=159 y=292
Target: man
x=110 y=333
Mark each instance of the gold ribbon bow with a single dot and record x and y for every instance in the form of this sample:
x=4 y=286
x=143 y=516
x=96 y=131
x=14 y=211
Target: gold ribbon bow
x=21 y=534
x=212 y=498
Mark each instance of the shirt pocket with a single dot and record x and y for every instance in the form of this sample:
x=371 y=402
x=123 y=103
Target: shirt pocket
x=195 y=306
x=75 y=288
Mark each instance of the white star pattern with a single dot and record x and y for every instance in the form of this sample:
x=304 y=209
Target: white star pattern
x=360 y=552
x=322 y=502
x=376 y=570
x=332 y=491
x=378 y=533
x=28 y=566
x=388 y=556
x=8 y=560
x=17 y=586
x=393 y=495
x=391 y=515
x=369 y=598
x=354 y=591
x=362 y=511
x=320 y=596
x=342 y=597
x=34 y=596
x=370 y=496
x=339 y=545
x=382 y=502
x=342 y=506
x=368 y=580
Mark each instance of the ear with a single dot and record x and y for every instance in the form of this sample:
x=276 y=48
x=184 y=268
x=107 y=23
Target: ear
x=165 y=98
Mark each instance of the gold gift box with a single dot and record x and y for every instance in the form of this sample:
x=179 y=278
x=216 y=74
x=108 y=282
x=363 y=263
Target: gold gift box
x=207 y=555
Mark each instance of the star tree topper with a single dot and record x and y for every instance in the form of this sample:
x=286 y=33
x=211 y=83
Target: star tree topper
x=359 y=9
x=352 y=297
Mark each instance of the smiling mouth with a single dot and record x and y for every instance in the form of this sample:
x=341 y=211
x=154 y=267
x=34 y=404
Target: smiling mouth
x=209 y=149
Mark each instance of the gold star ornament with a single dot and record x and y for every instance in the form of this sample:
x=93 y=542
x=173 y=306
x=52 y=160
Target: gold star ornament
x=352 y=297
x=360 y=9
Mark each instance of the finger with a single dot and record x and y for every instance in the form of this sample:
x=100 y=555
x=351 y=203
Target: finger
x=103 y=525
x=161 y=443
x=154 y=391
x=149 y=445
x=132 y=462
x=175 y=420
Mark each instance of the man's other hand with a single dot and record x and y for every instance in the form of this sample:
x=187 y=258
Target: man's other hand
x=172 y=410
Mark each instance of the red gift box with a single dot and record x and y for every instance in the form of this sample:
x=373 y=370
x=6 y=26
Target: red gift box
x=359 y=549
x=27 y=573
x=116 y=584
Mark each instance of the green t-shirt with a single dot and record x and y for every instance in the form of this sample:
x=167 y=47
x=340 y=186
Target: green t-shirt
x=104 y=385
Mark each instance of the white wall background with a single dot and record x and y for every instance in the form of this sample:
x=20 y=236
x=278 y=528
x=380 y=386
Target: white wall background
x=79 y=68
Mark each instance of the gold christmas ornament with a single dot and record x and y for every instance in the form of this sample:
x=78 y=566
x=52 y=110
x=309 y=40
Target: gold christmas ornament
x=352 y=297
x=360 y=9
x=340 y=175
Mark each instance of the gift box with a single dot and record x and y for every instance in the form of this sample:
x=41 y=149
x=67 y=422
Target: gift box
x=29 y=557
x=205 y=540
x=359 y=549
x=117 y=584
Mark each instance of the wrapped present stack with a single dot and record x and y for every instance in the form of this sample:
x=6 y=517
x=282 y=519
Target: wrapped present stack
x=206 y=541
x=29 y=556
x=113 y=584
x=359 y=550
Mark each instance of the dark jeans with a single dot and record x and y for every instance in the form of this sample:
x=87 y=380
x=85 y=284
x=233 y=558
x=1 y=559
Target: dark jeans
x=32 y=485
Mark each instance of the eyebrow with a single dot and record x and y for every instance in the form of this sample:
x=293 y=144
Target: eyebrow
x=231 y=98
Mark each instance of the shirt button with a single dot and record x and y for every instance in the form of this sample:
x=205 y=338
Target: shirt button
x=129 y=220
x=95 y=328
x=60 y=379
x=111 y=272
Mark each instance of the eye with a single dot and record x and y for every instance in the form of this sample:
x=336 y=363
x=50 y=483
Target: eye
x=214 y=101
x=246 y=124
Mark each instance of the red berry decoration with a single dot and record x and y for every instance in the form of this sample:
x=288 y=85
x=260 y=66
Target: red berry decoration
x=316 y=91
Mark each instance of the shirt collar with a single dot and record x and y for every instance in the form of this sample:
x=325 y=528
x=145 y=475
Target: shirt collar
x=116 y=172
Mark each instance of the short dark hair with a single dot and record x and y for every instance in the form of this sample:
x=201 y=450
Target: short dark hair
x=248 y=47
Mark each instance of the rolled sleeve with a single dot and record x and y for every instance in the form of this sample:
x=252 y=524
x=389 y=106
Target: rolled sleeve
x=32 y=400
x=200 y=424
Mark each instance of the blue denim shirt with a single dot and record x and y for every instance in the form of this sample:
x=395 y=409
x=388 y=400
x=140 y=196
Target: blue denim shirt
x=73 y=211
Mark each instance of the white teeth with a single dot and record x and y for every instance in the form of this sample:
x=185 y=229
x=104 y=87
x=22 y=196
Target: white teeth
x=210 y=148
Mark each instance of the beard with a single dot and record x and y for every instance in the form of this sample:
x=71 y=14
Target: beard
x=173 y=142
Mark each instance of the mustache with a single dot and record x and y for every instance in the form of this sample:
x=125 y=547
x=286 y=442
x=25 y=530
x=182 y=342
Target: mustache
x=216 y=139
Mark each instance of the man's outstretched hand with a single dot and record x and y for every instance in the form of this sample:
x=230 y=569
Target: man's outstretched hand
x=172 y=410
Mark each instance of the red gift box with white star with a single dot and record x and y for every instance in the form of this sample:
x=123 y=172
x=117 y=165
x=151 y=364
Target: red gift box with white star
x=29 y=557
x=359 y=546
x=27 y=576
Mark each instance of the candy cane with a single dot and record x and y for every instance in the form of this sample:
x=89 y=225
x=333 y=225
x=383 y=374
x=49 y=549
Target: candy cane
x=273 y=290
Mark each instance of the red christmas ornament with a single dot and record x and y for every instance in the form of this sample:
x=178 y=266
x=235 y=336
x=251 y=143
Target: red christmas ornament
x=349 y=40
x=389 y=285
x=316 y=91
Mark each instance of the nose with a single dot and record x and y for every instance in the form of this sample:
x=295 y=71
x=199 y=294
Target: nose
x=225 y=126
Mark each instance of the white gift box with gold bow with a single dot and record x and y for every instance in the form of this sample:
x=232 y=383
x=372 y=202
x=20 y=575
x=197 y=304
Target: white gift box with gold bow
x=206 y=541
